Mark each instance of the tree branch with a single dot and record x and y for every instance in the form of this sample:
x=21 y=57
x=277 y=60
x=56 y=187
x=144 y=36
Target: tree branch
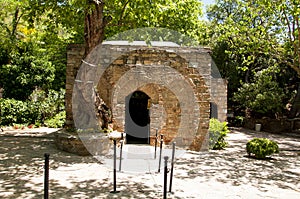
x=122 y=12
x=298 y=43
x=15 y=22
x=288 y=24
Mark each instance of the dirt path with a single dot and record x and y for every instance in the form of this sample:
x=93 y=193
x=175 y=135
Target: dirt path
x=214 y=174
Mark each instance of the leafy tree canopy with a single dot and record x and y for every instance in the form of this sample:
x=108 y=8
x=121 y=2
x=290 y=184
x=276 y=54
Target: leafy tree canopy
x=249 y=38
x=34 y=34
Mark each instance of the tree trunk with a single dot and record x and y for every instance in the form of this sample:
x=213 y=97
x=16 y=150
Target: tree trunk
x=295 y=109
x=93 y=25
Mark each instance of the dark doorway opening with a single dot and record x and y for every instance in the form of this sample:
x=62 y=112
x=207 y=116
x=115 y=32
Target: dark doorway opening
x=213 y=110
x=137 y=118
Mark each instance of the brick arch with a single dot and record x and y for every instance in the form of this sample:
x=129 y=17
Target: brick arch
x=109 y=83
x=162 y=97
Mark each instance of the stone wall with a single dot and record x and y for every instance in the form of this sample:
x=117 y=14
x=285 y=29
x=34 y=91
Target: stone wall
x=177 y=79
x=219 y=97
x=75 y=54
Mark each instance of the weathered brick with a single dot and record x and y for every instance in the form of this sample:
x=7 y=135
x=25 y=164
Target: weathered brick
x=175 y=110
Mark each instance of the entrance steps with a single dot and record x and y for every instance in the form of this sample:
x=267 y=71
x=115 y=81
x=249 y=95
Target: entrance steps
x=137 y=158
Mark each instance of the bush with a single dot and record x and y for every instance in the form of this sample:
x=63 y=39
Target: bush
x=239 y=121
x=37 y=110
x=217 y=133
x=263 y=97
x=57 y=121
x=48 y=104
x=28 y=66
x=14 y=112
x=261 y=147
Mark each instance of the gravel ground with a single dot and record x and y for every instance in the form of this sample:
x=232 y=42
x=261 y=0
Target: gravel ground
x=215 y=174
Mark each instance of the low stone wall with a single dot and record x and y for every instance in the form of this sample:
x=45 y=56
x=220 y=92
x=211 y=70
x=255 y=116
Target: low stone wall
x=71 y=144
x=271 y=125
x=83 y=145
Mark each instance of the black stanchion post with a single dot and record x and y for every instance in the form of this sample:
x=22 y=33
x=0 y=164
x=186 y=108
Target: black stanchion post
x=121 y=148
x=165 y=176
x=155 y=145
x=161 y=143
x=46 y=176
x=115 y=170
x=172 y=166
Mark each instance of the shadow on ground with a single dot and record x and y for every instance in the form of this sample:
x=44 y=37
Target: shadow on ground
x=22 y=170
x=234 y=167
x=72 y=176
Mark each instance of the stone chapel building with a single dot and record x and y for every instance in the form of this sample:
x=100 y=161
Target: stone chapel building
x=164 y=87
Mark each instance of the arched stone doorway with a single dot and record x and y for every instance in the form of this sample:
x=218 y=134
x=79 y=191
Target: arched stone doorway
x=182 y=90
x=182 y=74
x=137 y=118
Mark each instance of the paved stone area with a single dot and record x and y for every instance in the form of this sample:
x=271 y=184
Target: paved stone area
x=214 y=174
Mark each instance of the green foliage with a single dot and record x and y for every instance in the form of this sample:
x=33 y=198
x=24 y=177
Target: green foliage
x=49 y=104
x=57 y=121
x=264 y=96
x=177 y=15
x=261 y=147
x=34 y=35
x=40 y=108
x=27 y=69
x=241 y=33
x=33 y=41
x=287 y=28
x=246 y=38
x=249 y=37
x=14 y=111
x=238 y=121
x=217 y=133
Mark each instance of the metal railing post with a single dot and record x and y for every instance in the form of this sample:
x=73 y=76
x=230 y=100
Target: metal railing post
x=46 y=176
x=160 y=152
x=165 y=176
x=172 y=166
x=155 y=145
x=115 y=170
x=121 y=148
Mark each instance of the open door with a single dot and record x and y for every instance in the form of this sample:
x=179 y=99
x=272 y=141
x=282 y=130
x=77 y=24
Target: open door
x=137 y=118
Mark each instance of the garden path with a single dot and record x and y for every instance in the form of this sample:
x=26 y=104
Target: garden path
x=214 y=174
